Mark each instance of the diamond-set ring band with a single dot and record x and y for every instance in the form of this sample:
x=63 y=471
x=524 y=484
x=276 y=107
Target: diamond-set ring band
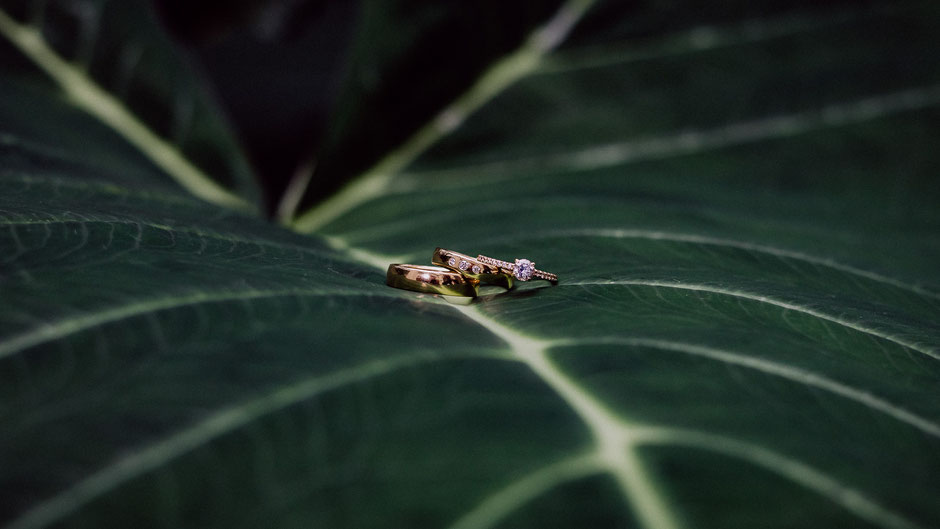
x=522 y=269
x=472 y=268
x=458 y=274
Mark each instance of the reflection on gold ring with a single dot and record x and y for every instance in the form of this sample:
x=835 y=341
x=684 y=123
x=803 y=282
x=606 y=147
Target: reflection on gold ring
x=430 y=279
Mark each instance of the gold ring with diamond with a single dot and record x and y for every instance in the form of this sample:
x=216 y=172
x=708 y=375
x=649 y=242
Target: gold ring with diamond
x=472 y=268
x=522 y=269
x=430 y=279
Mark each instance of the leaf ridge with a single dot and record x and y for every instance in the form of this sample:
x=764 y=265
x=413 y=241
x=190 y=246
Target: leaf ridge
x=99 y=187
x=794 y=374
x=705 y=38
x=685 y=142
x=177 y=230
x=378 y=180
x=771 y=301
x=155 y=455
x=87 y=95
x=797 y=471
x=496 y=507
x=70 y=325
x=619 y=440
x=743 y=245
x=613 y=435
x=683 y=237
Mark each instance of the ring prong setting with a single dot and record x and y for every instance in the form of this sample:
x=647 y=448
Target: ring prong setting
x=523 y=269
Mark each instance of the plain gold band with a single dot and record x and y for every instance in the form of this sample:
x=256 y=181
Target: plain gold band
x=471 y=268
x=430 y=279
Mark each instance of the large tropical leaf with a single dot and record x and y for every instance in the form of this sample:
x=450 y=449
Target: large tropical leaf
x=113 y=60
x=408 y=60
x=744 y=218
x=295 y=52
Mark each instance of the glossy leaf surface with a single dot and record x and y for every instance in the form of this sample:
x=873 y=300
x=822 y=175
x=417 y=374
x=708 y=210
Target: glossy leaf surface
x=113 y=60
x=745 y=332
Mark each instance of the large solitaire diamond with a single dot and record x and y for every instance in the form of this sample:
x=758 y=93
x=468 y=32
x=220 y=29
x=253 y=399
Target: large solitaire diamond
x=523 y=269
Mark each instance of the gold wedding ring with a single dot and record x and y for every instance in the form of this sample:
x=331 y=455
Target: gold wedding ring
x=430 y=279
x=471 y=268
x=522 y=269
x=461 y=275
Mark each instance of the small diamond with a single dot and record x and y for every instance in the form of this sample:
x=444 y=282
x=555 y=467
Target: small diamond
x=452 y=261
x=464 y=265
x=476 y=269
x=523 y=269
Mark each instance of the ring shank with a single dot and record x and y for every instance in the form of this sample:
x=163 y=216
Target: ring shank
x=548 y=276
x=430 y=279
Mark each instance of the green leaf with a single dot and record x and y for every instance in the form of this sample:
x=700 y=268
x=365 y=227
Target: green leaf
x=113 y=61
x=296 y=56
x=408 y=60
x=744 y=220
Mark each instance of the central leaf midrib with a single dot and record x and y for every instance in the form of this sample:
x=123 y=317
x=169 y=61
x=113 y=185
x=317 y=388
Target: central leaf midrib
x=650 y=506
x=643 y=437
x=639 y=490
x=489 y=324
